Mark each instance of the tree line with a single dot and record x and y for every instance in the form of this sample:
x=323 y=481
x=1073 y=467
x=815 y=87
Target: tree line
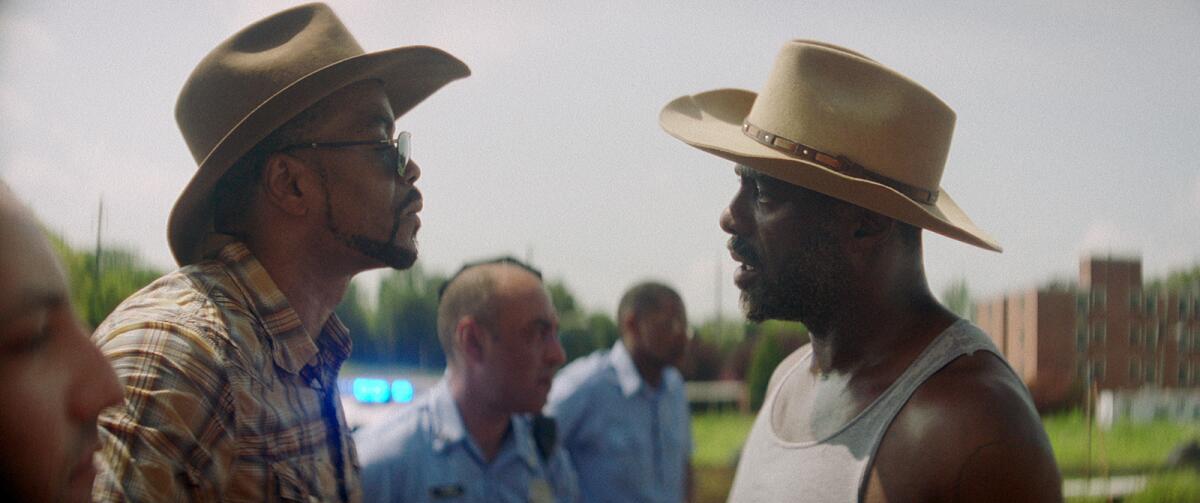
x=396 y=323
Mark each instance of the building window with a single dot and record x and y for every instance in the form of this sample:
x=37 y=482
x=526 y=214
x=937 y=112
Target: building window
x=1099 y=297
x=1081 y=303
x=1098 y=370
x=1183 y=374
x=1151 y=304
x=1098 y=332
x=1150 y=374
x=1135 y=300
x=1081 y=337
x=1135 y=370
x=1152 y=335
x=1182 y=338
x=1135 y=339
x=1183 y=307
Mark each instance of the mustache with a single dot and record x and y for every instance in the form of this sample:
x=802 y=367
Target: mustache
x=413 y=197
x=743 y=249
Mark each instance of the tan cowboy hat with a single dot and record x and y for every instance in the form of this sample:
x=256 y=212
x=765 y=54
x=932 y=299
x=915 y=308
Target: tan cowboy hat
x=265 y=75
x=837 y=122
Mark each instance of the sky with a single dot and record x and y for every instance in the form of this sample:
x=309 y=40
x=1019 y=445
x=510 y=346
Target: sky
x=1078 y=126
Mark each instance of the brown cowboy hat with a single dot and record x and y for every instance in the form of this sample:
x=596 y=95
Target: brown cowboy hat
x=837 y=122
x=266 y=74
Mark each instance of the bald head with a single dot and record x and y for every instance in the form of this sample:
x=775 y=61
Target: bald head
x=53 y=380
x=473 y=292
x=23 y=248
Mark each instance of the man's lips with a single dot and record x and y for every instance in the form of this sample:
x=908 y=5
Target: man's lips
x=742 y=253
x=412 y=203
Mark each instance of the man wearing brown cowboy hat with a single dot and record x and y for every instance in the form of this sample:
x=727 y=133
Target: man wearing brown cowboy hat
x=230 y=362
x=895 y=399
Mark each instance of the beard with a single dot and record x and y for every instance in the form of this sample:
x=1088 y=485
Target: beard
x=386 y=251
x=803 y=287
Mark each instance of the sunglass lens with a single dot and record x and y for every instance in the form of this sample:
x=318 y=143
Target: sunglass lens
x=403 y=151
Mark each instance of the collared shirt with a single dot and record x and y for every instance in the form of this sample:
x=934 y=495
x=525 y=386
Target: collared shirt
x=425 y=454
x=628 y=441
x=227 y=396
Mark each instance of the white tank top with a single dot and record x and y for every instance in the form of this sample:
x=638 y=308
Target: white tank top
x=834 y=469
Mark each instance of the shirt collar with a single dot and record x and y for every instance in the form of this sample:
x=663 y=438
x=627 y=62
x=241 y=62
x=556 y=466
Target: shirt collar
x=292 y=347
x=628 y=376
x=450 y=430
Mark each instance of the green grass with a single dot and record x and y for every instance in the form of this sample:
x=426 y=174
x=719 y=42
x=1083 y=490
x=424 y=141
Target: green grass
x=1182 y=486
x=1173 y=487
x=1126 y=448
x=718 y=436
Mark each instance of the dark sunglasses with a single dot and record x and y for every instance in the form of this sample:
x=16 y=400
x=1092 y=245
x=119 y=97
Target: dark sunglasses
x=401 y=147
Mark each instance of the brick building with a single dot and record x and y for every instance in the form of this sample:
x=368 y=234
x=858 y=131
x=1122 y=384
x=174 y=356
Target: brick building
x=1109 y=329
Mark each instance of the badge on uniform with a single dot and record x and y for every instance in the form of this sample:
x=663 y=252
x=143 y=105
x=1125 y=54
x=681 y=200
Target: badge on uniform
x=447 y=491
x=540 y=491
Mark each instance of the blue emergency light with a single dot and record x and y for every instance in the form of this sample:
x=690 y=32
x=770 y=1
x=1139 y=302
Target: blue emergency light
x=402 y=391
x=368 y=390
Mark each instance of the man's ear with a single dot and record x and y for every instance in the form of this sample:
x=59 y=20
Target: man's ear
x=287 y=184
x=469 y=338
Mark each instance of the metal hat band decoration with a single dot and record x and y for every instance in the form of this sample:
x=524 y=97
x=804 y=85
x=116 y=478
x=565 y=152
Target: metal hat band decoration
x=839 y=164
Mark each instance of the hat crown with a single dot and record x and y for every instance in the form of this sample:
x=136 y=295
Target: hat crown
x=253 y=65
x=842 y=103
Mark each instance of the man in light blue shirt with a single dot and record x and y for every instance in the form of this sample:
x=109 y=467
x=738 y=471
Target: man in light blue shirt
x=471 y=439
x=622 y=413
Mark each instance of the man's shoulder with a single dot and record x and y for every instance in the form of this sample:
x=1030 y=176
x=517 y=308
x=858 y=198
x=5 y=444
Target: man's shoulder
x=978 y=392
x=584 y=374
x=972 y=416
x=399 y=439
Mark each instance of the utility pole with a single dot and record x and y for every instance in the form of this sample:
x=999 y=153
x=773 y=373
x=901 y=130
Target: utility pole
x=720 y=280
x=95 y=296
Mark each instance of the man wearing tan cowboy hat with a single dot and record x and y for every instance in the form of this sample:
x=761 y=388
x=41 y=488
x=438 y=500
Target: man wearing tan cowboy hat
x=230 y=363
x=896 y=399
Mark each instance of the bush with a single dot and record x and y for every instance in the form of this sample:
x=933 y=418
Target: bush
x=775 y=341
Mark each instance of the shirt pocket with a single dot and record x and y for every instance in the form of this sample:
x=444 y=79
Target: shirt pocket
x=291 y=482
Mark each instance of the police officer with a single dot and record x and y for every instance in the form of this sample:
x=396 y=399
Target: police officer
x=470 y=438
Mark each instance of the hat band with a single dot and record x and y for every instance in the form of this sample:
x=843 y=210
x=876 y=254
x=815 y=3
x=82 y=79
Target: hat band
x=840 y=164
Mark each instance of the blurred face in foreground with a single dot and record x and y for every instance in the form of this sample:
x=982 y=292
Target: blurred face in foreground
x=53 y=380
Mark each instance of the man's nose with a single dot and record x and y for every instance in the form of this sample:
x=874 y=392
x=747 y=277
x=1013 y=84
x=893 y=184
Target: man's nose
x=556 y=355
x=412 y=172
x=94 y=385
x=726 y=221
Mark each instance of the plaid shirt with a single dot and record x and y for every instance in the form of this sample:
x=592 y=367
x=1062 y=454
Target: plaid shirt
x=227 y=397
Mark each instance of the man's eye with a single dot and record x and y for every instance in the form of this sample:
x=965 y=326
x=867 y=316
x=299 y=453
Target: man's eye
x=32 y=334
x=761 y=193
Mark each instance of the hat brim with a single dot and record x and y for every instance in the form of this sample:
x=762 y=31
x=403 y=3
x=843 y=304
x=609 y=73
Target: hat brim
x=409 y=76
x=712 y=122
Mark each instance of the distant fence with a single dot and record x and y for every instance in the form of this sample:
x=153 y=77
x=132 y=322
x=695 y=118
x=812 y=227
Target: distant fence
x=1147 y=404
x=717 y=395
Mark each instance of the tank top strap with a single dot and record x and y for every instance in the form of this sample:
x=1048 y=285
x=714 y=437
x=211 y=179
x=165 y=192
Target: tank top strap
x=961 y=338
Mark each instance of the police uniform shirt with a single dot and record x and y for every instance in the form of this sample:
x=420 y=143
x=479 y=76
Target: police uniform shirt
x=425 y=454
x=628 y=441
